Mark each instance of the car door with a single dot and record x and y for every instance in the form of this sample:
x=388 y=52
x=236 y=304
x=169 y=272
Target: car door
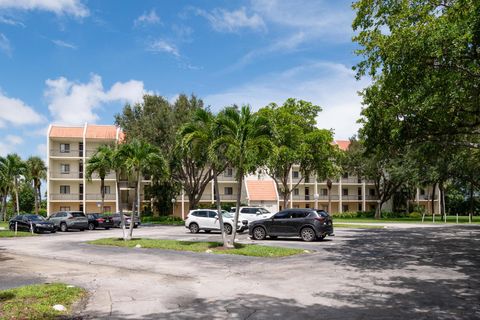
x=211 y=221
x=24 y=223
x=201 y=217
x=54 y=218
x=296 y=221
x=277 y=225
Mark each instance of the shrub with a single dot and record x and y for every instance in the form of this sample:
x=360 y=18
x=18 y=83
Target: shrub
x=415 y=215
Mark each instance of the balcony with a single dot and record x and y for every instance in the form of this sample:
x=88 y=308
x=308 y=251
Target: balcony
x=352 y=180
x=227 y=197
x=371 y=198
x=66 y=196
x=66 y=175
x=98 y=196
x=73 y=153
x=110 y=176
x=223 y=177
x=352 y=197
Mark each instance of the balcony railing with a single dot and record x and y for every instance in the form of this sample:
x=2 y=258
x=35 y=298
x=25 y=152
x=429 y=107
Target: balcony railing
x=351 y=197
x=66 y=175
x=71 y=154
x=111 y=176
x=370 y=197
x=98 y=196
x=224 y=177
x=224 y=197
x=351 y=180
x=66 y=196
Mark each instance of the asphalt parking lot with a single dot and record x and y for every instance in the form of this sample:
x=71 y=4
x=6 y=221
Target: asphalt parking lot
x=395 y=273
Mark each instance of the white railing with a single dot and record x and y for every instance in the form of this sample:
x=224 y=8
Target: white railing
x=64 y=175
x=65 y=196
x=98 y=196
x=72 y=153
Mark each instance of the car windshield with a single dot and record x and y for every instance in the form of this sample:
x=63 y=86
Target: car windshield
x=226 y=214
x=263 y=210
x=34 y=217
x=322 y=213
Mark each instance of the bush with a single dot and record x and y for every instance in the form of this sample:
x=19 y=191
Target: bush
x=162 y=219
x=415 y=215
x=42 y=212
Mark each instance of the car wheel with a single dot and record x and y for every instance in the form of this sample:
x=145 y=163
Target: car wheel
x=63 y=227
x=259 y=233
x=207 y=231
x=91 y=226
x=308 y=234
x=194 y=228
x=227 y=228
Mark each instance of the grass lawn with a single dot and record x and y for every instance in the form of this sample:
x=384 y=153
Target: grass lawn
x=4 y=225
x=356 y=226
x=37 y=301
x=240 y=249
x=11 y=234
x=428 y=219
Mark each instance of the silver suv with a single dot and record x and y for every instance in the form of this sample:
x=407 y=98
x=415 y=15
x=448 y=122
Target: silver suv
x=252 y=213
x=65 y=220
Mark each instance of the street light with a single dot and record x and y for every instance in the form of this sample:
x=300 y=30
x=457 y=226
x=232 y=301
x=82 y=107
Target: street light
x=173 y=205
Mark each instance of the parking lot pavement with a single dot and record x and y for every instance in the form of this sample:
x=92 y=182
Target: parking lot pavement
x=421 y=273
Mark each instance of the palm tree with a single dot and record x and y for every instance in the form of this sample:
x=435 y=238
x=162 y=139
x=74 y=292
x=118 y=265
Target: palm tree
x=100 y=163
x=36 y=172
x=201 y=133
x=142 y=158
x=246 y=139
x=13 y=168
x=5 y=184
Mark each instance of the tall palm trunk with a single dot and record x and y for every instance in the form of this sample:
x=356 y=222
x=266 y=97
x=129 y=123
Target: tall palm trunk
x=102 y=193
x=16 y=195
x=226 y=244
x=35 y=190
x=237 y=210
x=120 y=208
x=4 y=207
x=137 y=203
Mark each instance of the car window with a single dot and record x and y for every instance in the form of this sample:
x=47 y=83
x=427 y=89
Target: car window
x=24 y=218
x=34 y=217
x=263 y=210
x=212 y=214
x=282 y=215
x=300 y=214
x=77 y=215
x=201 y=214
x=322 y=213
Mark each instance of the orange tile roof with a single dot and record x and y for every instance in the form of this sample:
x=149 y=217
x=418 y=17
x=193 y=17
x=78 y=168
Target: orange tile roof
x=343 y=144
x=261 y=190
x=101 y=132
x=66 y=132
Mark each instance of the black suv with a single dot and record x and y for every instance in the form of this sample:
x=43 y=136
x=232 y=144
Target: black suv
x=309 y=224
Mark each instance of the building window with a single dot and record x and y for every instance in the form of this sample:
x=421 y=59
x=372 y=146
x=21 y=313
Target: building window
x=228 y=190
x=107 y=209
x=422 y=192
x=345 y=208
x=307 y=205
x=80 y=207
x=324 y=192
x=373 y=207
x=359 y=207
x=345 y=192
x=106 y=189
x=371 y=192
x=296 y=174
x=296 y=192
x=64 y=189
x=64 y=147
x=65 y=208
x=345 y=175
x=307 y=179
x=229 y=172
x=65 y=168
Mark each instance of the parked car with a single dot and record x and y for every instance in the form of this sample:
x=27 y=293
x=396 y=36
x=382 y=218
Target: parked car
x=307 y=224
x=117 y=220
x=97 y=220
x=252 y=213
x=65 y=220
x=26 y=222
x=207 y=220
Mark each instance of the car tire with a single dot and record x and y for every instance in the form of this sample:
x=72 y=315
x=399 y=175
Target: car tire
x=308 y=234
x=91 y=226
x=63 y=227
x=259 y=233
x=194 y=228
x=227 y=228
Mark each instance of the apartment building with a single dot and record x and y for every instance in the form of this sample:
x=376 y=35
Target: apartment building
x=68 y=149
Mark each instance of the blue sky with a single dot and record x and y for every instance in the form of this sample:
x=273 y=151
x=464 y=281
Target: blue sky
x=72 y=61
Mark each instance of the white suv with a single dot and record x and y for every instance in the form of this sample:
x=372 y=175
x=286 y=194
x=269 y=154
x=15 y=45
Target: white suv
x=207 y=220
x=252 y=213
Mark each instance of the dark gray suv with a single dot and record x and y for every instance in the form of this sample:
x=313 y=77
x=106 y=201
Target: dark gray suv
x=308 y=224
x=65 y=220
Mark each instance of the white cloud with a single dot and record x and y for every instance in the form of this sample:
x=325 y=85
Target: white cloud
x=232 y=21
x=330 y=85
x=60 y=7
x=60 y=43
x=15 y=112
x=13 y=139
x=11 y=22
x=147 y=18
x=160 y=45
x=5 y=45
x=75 y=103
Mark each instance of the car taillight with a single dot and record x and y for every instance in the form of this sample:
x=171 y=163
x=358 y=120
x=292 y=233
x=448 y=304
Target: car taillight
x=100 y=220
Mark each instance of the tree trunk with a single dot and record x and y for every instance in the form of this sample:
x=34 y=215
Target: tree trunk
x=226 y=243
x=102 y=193
x=16 y=195
x=470 y=214
x=285 y=199
x=35 y=191
x=378 y=210
x=4 y=207
x=237 y=210
x=120 y=208
x=432 y=202
x=192 y=205
x=441 y=199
